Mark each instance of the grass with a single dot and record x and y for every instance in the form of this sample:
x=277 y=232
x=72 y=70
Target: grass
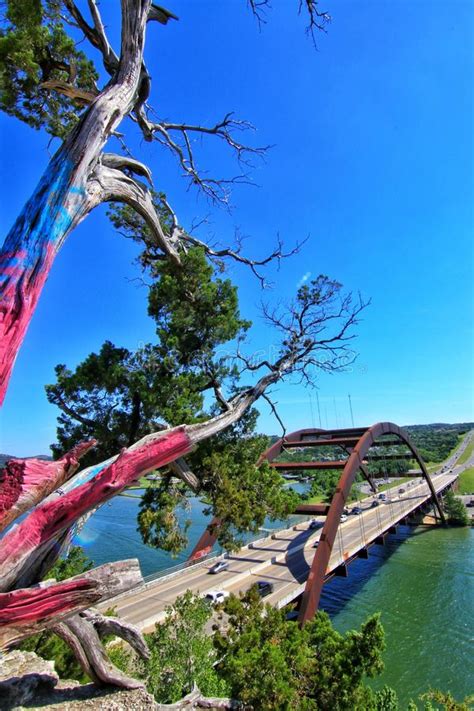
x=314 y=500
x=466 y=481
x=142 y=483
x=467 y=453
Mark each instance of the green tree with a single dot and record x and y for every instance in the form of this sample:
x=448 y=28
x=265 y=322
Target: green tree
x=182 y=653
x=270 y=663
x=455 y=510
x=117 y=396
x=446 y=701
x=36 y=49
x=386 y=699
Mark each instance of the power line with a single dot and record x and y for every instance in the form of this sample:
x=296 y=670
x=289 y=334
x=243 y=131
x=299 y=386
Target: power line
x=319 y=410
x=311 y=409
x=350 y=408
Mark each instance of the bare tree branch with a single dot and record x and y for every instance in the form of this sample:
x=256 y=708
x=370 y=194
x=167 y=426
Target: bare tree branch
x=317 y=19
x=276 y=255
x=196 y=700
x=95 y=35
x=275 y=412
x=115 y=186
x=180 y=146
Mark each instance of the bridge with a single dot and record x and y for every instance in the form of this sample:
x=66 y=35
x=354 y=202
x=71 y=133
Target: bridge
x=289 y=559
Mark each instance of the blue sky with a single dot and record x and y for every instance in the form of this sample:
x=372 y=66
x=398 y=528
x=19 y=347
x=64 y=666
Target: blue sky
x=372 y=158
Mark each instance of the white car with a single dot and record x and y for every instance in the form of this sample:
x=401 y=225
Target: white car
x=343 y=518
x=215 y=597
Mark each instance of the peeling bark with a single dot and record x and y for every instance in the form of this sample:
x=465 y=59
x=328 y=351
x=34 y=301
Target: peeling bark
x=56 y=515
x=82 y=636
x=25 y=482
x=26 y=611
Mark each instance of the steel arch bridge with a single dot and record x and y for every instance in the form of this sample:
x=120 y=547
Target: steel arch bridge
x=355 y=448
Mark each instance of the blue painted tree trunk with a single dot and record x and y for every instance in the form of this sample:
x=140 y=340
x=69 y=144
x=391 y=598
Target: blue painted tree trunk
x=57 y=205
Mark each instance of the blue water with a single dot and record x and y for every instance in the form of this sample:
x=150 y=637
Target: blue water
x=422 y=583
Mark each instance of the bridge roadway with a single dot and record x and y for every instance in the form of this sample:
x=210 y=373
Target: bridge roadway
x=283 y=558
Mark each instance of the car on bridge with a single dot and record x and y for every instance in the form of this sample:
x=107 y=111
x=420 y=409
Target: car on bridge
x=343 y=517
x=314 y=524
x=374 y=504
x=264 y=588
x=216 y=597
x=316 y=544
x=401 y=491
x=356 y=511
x=382 y=497
x=219 y=566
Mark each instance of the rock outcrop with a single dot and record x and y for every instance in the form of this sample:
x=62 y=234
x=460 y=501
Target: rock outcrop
x=30 y=682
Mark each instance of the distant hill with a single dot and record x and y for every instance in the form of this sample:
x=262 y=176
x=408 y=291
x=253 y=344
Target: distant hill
x=5 y=457
x=459 y=427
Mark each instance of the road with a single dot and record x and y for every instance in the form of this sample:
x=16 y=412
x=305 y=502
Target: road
x=285 y=557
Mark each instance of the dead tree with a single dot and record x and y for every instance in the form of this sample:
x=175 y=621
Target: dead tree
x=80 y=176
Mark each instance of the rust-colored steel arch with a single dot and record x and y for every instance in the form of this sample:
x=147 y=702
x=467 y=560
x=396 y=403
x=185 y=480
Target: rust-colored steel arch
x=345 y=439
x=367 y=439
x=311 y=437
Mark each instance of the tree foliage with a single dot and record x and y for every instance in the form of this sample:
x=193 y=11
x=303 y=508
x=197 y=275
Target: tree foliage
x=446 y=701
x=117 y=396
x=436 y=442
x=183 y=653
x=456 y=511
x=270 y=663
x=35 y=48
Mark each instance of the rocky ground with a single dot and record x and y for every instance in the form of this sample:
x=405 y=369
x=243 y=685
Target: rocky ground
x=29 y=682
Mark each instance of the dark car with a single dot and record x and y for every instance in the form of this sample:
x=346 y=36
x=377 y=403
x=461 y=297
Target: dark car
x=217 y=567
x=374 y=504
x=401 y=491
x=314 y=524
x=356 y=510
x=264 y=588
x=316 y=544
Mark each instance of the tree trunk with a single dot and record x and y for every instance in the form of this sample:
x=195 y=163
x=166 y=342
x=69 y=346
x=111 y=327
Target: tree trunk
x=67 y=192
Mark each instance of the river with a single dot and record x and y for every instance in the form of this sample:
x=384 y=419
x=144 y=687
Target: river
x=422 y=581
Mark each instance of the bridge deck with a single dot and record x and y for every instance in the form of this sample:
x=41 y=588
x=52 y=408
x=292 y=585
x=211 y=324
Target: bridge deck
x=283 y=559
